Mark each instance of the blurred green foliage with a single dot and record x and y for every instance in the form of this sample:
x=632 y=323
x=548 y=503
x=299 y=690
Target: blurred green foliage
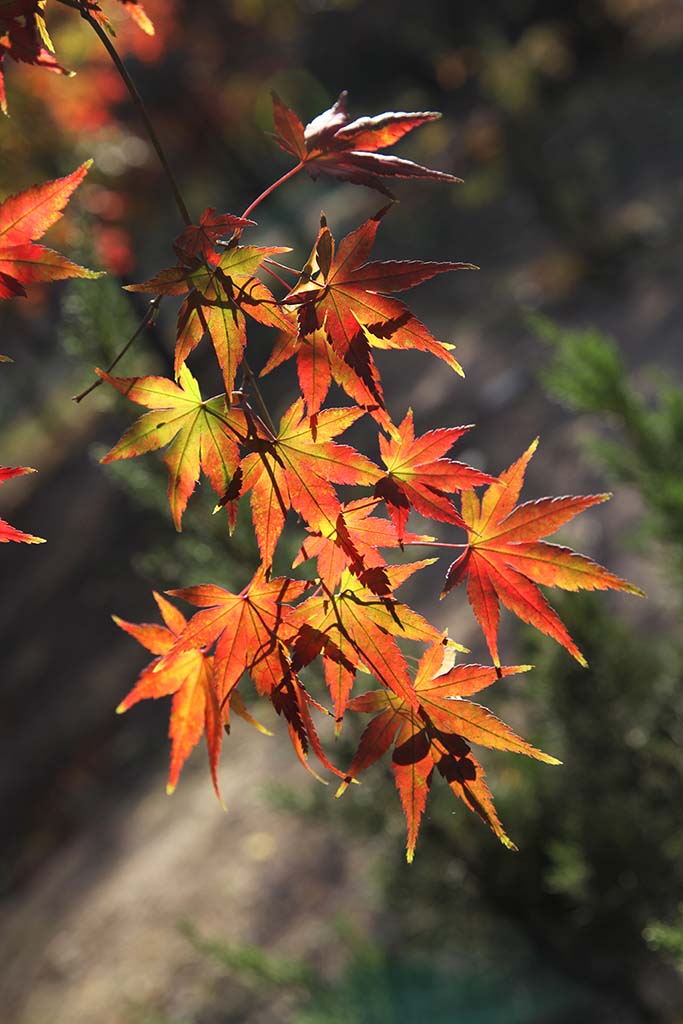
x=642 y=440
x=379 y=986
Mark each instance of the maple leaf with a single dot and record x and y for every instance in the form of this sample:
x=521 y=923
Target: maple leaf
x=189 y=677
x=419 y=477
x=342 y=294
x=348 y=150
x=505 y=557
x=353 y=542
x=198 y=241
x=248 y=629
x=221 y=287
x=318 y=365
x=8 y=532
x=200 y=434
x=356 y=627
x=434 y=733
x=297 y=469
x=291 y=700
x=27 y=216
x=24 y=37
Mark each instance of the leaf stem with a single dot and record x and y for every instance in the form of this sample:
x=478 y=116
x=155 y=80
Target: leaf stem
x=271 y=188
x=432 y=544
x=146 y=320
x=276 y=276
x=260 y=401
x=282 y=266
x=137 y=100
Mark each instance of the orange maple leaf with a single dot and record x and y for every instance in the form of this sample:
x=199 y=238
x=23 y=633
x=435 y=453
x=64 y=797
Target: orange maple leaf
x=505 y=558
x=297 y=468
x=432 y=732
x=356 y=627
x=249 y=630
x=27 y=216
x=342 y=294
x=418 y=476
x=222 y=288
x=189 y=677
x=353 y=543
x=24 y=37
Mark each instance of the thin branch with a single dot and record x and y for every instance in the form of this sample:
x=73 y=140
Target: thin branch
x=137 y=100
x=260 y=401
x=276 y=276
x=147 y=319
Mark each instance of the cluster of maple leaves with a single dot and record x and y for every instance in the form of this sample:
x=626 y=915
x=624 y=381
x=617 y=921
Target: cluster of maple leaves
x=339 y=308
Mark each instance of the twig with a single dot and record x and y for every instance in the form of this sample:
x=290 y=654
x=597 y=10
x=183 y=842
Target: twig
x=146 y=320
x=137 y=100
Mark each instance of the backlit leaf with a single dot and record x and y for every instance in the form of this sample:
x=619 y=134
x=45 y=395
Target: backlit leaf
x=340 y=294
x=199 y=435
x=505 y=558
x=189 y=678
x=418 y=476
x=24 y=37
x=25 y=217
x=348 y=150
x=7 y=532
x=434 y=731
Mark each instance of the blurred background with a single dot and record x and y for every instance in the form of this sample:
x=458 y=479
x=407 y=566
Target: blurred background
x=122 y=906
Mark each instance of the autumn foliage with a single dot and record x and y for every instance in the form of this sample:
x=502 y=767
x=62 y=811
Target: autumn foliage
x=339 y=608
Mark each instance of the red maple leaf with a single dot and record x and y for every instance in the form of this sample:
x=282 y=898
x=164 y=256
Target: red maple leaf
x=356 y=627
x=353 y=543
x=341 y=294
x=318 y=365
x=419 y=477
x=8 y=532
x=249 y=629
x=505 y=558
x=348 y=150
x=432 y=732
x=297 y=469
x=198 y=241
x=27 y=216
